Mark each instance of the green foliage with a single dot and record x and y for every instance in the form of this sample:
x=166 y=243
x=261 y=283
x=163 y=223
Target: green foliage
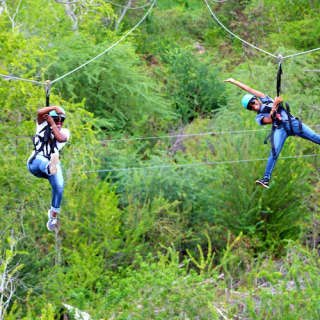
x=205 y=263
x=295 y=10
x=115 y=87
x=182 y=17
x=57 y=20
x=299 y=38
x=160 y=228
x=158 y=290
x=16 y=60
x=95 y=19
x=193 y=85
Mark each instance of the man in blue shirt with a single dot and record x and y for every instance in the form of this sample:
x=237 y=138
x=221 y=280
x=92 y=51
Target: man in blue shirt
x=284 y=124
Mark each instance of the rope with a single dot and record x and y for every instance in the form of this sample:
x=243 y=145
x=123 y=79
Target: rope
x=212 y=133
x=66 y=2
x=300 y=53
x=314 y=70
x=130 y=8
x=8 y=77
x=250 y=44
x=198 y=164
x=234 y=35
x=279 y=74
x=108 y=49
x=47 y=90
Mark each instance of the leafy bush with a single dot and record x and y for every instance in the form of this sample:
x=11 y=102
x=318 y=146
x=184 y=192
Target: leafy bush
x=182 y=17
x=194 y=85
x=115 y=87
x=298 y=37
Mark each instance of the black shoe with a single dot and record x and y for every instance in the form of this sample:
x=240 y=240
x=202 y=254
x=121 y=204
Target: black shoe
x=264 y=182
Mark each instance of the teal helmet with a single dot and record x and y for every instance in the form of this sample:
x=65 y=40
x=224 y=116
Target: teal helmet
x=246 y=99
x=53 y=113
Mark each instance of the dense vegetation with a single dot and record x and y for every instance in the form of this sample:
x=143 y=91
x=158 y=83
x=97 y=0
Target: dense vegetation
x=181 y=236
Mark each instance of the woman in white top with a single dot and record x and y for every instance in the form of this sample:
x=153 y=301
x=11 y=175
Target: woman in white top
x=44 y=162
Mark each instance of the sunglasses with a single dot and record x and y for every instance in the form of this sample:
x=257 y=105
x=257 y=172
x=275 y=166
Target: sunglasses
x=58 y=118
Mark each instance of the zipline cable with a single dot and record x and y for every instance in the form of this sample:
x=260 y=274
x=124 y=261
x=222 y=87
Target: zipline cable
x=187 y=135
x=219 y=1
x=300 y=53
x=198 y=164
x=66 y=2
x=252 y=45
x=9 y=77
x=130 y=8
x=108 y=49
x=212 y=133
x=234 y=35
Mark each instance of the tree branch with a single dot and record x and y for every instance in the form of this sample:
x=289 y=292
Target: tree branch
x=70 y=12
x=11 y=18
x=125 y=9
x=8 y=275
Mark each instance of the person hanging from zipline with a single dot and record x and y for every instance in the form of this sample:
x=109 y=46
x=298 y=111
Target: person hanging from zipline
x=44 y=162
x=284 y=124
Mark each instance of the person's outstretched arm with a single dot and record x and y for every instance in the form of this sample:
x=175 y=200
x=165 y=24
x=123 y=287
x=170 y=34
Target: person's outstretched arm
x=246 y=88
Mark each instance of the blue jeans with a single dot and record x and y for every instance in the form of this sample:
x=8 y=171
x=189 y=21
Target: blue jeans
x=280 y=136
x=39 y=168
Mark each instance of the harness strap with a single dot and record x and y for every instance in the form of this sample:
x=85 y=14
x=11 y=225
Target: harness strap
x=273 y=116
x=47 y=144
x=47 y=90
x=279 y=76
x=46 y=141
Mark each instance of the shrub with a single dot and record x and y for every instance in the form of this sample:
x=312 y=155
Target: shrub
x=116 y=87
x=193 y=85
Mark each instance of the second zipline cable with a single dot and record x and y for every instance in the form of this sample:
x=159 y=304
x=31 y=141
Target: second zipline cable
x=109 y=48
x=252 y=45
x=198 y=164
x=10 y=77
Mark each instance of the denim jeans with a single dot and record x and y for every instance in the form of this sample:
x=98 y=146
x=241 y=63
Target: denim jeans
x=39 y=168
x=280 y=136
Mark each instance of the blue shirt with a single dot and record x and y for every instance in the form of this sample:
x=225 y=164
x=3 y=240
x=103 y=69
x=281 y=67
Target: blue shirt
x=268 y=102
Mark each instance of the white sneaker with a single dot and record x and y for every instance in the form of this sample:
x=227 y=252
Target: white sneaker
x=53 y=163
x=53 y=222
